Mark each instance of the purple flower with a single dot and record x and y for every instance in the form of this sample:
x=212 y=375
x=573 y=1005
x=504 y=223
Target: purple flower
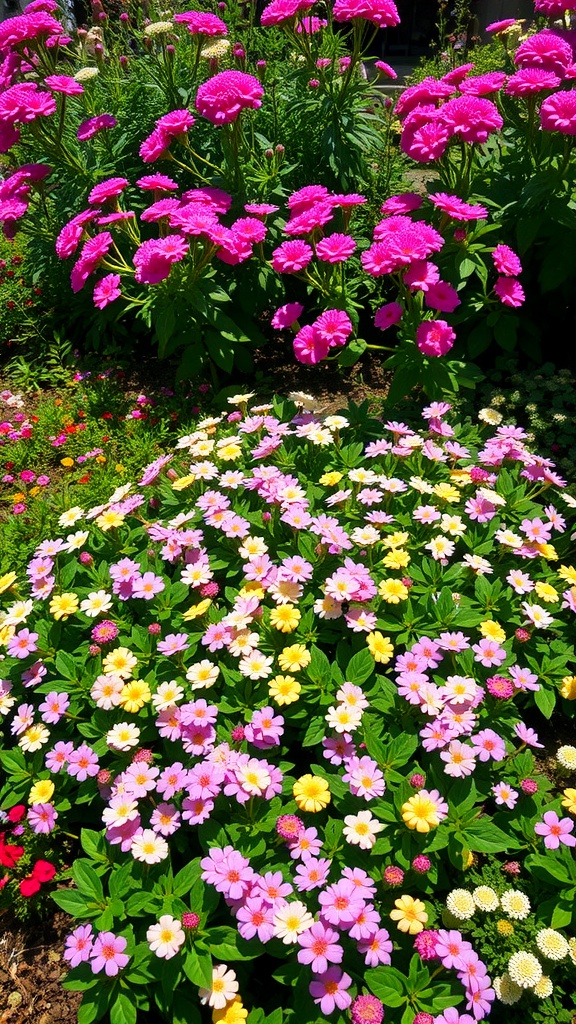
x=319 y=947
x=79 y=945
x=330 y=990
x=527 y=735
x=41 y=818
x=173 y=643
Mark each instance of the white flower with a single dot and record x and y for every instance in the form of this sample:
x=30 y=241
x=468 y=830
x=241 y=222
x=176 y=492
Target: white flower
x=253 y=777
x=17 y=613
x=166 y=937
x=537 y=615
x=158 y=28
x=566 y=757
x=461 y=904
x=123 y=736
x=290 y=921
x=515 y=904
x=343 y=718
x=202 y=675
x=507 y=991
x=85 y=74
x=525 y=969
x=76 y=540
x=552 y=944
x=256 y=665
x=223 y=990
x=490 y=416
x=478 y=564
x=96 y=603
x=241 y=399
x=361 y=829
x=485 y=898
x=71 y=516
x=149 y=847
x=440 y=548
x=167 y=695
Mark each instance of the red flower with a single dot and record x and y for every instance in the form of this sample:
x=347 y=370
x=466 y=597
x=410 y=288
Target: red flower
x=43 y=871
x=9 y=855
x=16 y=813
x=29 y=886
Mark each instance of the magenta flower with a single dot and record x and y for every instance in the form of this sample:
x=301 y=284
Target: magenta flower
x=435 y=337
x=108 y=189
x=224 y=96
x=108 y=954
x=88 y=129
x=330 y=990
x=287 y=315
x=82 y=763
x=42 y=818
x=555 y=830
x=290 y=257
x=22 y=644
x=509 y=291
x=336 y=248
x=107 y=290
x=388 y=315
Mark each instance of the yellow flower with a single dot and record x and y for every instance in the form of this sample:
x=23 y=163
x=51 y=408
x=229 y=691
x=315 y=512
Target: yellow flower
x=447 y=493
x=568 y=573
x=396 y=540
x=109 y=519
x=568 y=688
x=505 y=928
x=311 y=793
x=134 y=695
x=251 y=588
x=119 y=468
x=393 y=591
x=569 y=801
x=67 y=462
x=6 y=634
x=6 y=581
x=19 y=496
x=460 y=477
x=492 y=631
x=196 y=610
x=285 y=618
x=34 y=491
x=380 y=647
x=41 y=792
x=420 y=812
x=410 y=914
x=183 y=482
x=232 y=1013
x=120 y=662
x=101 y=459
x=548 y=551
x=229 y=452
x=293 y=658
x=284 y=689
x=330 y=479
x=546 y=592
x=396 y=559
x=63 y=605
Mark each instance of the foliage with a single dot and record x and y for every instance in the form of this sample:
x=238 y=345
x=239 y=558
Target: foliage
x=405 y=599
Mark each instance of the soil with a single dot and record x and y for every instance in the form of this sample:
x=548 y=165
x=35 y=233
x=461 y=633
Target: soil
x=31 y=971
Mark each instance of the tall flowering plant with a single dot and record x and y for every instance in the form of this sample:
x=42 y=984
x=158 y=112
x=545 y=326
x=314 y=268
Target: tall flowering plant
x=286 y=688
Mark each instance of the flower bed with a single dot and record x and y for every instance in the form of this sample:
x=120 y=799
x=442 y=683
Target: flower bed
x=287 y=690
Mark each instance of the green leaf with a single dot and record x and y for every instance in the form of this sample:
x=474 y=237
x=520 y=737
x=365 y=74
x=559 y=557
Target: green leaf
x=93 y=844
x=360 y=667
x=87 y=880
x=319 y=669
x=314 y=733
x=123 y=1010
x=72 y=902
x=387 y=984
x=545 y=700
x=198 y=968
x=66 y=665
x=485 y=837
x=187 y=877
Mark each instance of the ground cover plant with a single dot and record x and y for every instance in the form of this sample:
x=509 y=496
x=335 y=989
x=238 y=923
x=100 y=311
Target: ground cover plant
x=287 y=690
x=199 y=229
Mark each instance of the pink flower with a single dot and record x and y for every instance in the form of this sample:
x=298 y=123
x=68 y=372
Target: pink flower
x=155 y=182
x=471 y=117
x=426 y=142
x=456 y=208
x=482 y=85
x=377 y=948
x=202 y=23
x=107 y=190
x=78 y=945
x=88 y=129
x=558 y=113
x=287 y=315
x=224 y=96
x=308 y=347
x=555 y=830
x=421 y=274
x=500 y=26
x=388 y=315
x=155 y=257
x=504 y=795
x=442 y=296
x=509 y=291
x=290 y=257
x=385 y=69
x=424 y=93
x=93 y=252
x=488 y=744
x=107 y=954
x=435 y=337
x=107 y=290
x=380 y=12
x=329 y=991
x=531 y=81
x=506 y=261
x=154 y=146
x=65 y=84
x=545 y=50
x=279 y=11
x=175 y=123
x=319 y=947
x=333 y=326
x=335 y=248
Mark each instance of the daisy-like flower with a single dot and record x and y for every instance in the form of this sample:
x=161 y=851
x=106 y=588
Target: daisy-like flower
x=123 y=736
x=294 y=658
x=223 y=989
x=361 y=829
x=440 y=548
x=285 y=618
x=381 y=648
x=515 y=904
x=569 y=801
x=284 y=690
x=63 y=605
x=119 y=662
x=202 y=675
x=166 y=937
x=393 y=591
x=539 y=617
x=291 y=920
x=424 y=810
x=525 y=969
x=35 y=737
x=167 y=695
x=343 y=718
x=566 y=757
x=71 y=516
x=41 y=792
x=554 y=830
x=256 y=665
x=311 y=793
x=410 y=915
x=134 y=695
x=461 y=904
x=147 y=846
